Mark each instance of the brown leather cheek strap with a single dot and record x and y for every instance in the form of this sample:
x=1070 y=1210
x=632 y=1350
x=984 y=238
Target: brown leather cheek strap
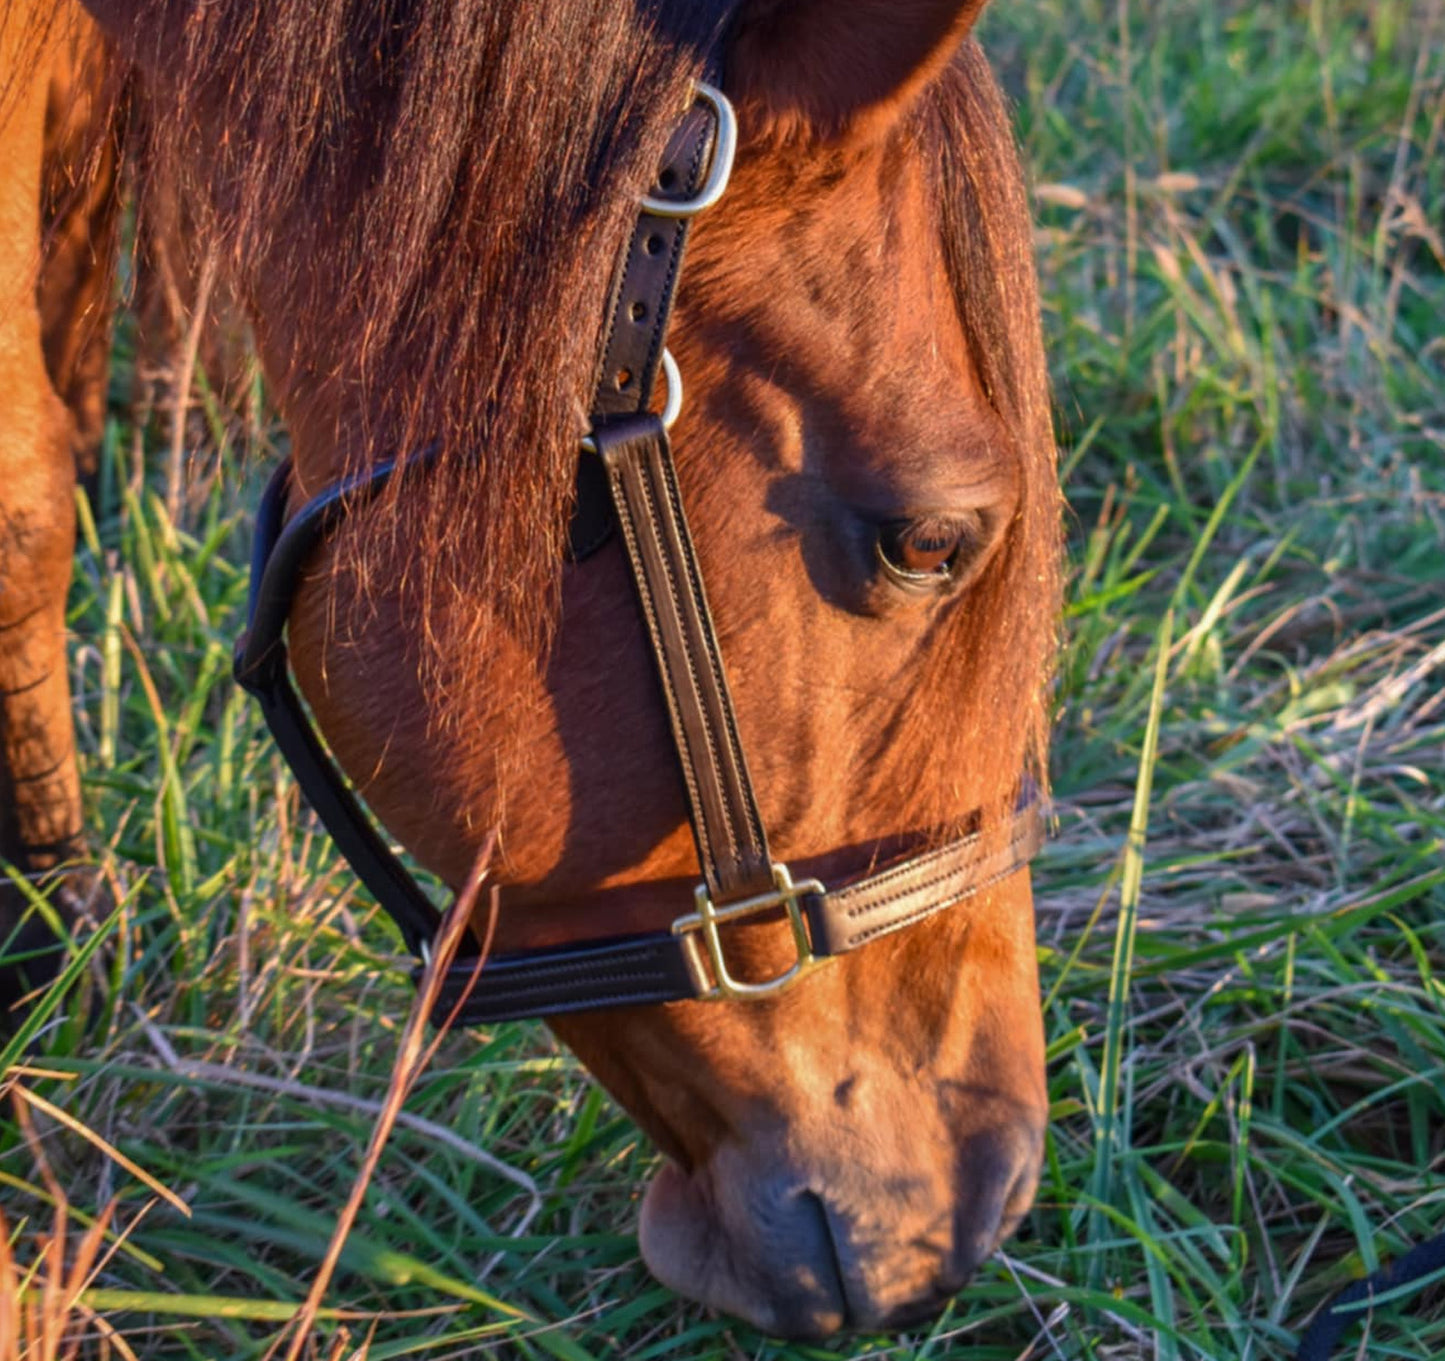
x=629 y=445
x=732 y=848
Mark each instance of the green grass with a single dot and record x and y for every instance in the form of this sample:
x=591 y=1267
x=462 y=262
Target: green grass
x=1241 y=928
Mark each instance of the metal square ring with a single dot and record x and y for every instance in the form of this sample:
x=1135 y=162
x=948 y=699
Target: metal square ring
x=705 y=922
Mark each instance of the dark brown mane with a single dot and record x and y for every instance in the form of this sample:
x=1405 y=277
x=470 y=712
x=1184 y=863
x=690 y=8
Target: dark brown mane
x=1007 y=636
x=466 y=171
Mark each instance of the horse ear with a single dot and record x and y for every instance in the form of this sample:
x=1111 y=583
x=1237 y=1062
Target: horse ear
x=143 y=31
x=835 y=70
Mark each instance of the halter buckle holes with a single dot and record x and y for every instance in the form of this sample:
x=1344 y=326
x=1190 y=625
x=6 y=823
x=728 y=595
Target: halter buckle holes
x=709 y=917
x=671 y=407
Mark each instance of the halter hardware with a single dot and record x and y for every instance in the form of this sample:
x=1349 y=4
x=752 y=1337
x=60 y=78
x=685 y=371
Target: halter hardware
x=671 y=406
x=709 y=916
x=626 y=490
x=725 y=148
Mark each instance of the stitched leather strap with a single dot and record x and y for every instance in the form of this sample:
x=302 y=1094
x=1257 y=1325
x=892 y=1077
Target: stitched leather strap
x=640 y=309
x=663 y=967
x=898 y=897
x=630 y=448
x=647 y=278
x=638 y=971
x=731 y=846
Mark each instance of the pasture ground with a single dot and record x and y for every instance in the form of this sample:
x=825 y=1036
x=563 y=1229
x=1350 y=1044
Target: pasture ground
x=1241 y=209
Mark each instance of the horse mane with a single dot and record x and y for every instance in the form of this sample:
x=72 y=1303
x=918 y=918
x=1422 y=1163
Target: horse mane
x=463 y=173
x=1005 y=640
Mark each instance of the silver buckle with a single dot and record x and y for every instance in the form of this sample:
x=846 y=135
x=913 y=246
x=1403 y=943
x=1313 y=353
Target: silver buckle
x=671 y=408
x=719 y=172
x=709 y=916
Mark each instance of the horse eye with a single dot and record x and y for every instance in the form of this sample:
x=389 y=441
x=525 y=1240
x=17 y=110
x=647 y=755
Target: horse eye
x=921 y=552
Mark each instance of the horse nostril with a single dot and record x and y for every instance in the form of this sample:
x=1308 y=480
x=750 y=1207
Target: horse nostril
x=995 y=1191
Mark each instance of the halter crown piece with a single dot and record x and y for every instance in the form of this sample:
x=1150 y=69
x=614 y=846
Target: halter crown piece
x=627 y=489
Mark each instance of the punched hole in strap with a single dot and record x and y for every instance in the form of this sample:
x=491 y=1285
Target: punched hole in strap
x=671 y=407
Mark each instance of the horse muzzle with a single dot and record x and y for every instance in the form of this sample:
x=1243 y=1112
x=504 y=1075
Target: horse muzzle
x=804 y=1252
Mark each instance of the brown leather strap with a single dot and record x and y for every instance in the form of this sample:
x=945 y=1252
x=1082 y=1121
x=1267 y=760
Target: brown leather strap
x=906 y=893
x=641 y=306
x=631 y=448
x=731 y=846
x=663 y=966
x=647 y=277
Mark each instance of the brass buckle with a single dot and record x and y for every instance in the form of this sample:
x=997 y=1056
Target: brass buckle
x=719 y=172
x=709 y=916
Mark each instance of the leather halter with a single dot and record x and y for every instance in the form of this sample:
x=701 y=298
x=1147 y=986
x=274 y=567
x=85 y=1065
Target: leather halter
x=626 y=486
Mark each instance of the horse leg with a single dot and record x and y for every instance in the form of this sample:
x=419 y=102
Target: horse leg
x=40 y=807
x=80 y=239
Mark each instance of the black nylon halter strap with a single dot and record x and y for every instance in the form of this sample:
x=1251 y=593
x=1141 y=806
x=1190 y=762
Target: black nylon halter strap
x=1351 y=1304
x=280 y=552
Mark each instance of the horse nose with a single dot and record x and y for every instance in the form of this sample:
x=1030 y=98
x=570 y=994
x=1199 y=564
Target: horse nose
x=904 y=1279
x=804 y=1256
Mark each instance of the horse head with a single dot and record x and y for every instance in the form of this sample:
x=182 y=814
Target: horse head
x=424 y=208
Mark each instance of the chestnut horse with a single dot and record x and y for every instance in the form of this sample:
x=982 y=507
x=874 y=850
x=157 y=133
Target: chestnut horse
x=421 y=203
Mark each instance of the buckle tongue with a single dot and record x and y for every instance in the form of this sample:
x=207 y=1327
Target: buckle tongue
x=709 y=916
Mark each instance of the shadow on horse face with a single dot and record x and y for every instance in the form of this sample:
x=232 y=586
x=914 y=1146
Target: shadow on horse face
x=858 y=331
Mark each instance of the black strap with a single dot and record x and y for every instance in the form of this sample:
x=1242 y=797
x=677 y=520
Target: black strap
x=1330 y=1324
x=278 y=555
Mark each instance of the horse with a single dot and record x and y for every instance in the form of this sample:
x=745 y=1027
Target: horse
x=422 y=205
